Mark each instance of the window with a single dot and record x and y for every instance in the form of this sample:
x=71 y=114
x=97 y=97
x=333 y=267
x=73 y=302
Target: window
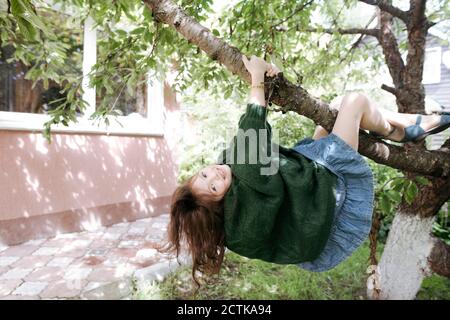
x=17 y=94
x=24 y=108
x=432 y=66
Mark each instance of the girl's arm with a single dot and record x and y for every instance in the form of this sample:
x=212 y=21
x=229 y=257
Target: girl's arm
x=257 y=68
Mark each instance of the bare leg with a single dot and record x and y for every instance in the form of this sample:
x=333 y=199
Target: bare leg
x=402 y=120
x=356 y=111
x=320 y=131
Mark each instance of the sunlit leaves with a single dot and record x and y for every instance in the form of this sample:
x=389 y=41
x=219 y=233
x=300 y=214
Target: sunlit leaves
x=28 y=22
x=130 y=44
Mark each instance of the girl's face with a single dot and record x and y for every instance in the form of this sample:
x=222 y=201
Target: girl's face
x=213 y=180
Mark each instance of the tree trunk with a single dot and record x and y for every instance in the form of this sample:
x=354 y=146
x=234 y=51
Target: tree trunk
x=404 y=263
x=411 y=252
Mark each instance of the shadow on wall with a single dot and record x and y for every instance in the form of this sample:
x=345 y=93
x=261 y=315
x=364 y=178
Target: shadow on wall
x=83 y=181
x=80 y=182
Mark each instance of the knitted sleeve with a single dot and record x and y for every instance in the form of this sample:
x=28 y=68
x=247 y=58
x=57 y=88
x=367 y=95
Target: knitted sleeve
x=252 y=152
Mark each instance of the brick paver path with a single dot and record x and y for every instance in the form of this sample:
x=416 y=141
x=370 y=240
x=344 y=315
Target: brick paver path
x=69 y=265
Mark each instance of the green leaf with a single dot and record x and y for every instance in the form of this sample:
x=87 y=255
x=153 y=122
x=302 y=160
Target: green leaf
x=422 y=180
x=148 y=36
x=131 y=84
x=411 y=192
x=138 y=31
x=227 y=92
x=386 y=205
x=32 y=18
x=395 y=196
x=121 y=33
x=17 y=8
x=147 y=14
x=27 y=29
x=397 y=184
x=216 y=32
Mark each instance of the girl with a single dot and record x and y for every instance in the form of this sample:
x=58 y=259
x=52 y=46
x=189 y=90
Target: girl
x=313 y=211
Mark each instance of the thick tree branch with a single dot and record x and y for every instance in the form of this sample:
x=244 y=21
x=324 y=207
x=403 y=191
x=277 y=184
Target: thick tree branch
x=166 y=11
x=430 y=24
x=389 y=89
x=417 y=32
x=391 y=51
x=417 y=9
x=385 y=6
x=295 y=98
x=369 y=32
x=439 y=259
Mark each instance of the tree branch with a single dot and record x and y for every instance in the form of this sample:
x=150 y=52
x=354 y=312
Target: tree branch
x=391 y=51
x=430 y=24
x=417 y=32
x=358 y=41
x=295 y=98
x=417 y=9
x=368 y=32
x=387 y=7
x=297 y=10
x=389 y=89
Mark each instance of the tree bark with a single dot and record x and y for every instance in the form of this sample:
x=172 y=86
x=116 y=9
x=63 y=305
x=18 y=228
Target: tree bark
x=439 y=258
x=391 y=51
x=387 y=7
x=417 y=33
x=404 y=262
x=410 y=255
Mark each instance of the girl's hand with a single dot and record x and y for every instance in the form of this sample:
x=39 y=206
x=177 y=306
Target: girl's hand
x=255 y=66
x=272 y=70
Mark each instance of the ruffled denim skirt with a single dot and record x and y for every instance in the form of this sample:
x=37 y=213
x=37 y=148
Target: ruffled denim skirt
x=354 y=198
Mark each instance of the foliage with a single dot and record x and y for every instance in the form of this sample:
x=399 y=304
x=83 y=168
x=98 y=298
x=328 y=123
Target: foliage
x=131 y=44
x=291 y=127
x=49 y=44
x=441 y=227
x=391 y=188
x=244 y=279
x=213 y=126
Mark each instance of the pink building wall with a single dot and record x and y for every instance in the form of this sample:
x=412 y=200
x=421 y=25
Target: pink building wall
x=83 y=181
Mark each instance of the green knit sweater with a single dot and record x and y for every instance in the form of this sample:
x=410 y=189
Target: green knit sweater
x=284 y=217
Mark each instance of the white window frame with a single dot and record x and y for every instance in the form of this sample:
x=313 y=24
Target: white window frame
x=133 y=125
x=432 y=69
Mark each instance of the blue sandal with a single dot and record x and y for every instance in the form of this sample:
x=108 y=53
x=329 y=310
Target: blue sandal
x=415 y=133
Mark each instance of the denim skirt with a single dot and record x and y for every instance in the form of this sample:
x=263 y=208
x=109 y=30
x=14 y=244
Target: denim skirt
x=354 y=198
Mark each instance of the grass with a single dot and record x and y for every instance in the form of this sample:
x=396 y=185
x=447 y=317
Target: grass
x=246 y=279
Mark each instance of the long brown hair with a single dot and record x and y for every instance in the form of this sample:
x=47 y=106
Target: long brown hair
x=198 y=221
